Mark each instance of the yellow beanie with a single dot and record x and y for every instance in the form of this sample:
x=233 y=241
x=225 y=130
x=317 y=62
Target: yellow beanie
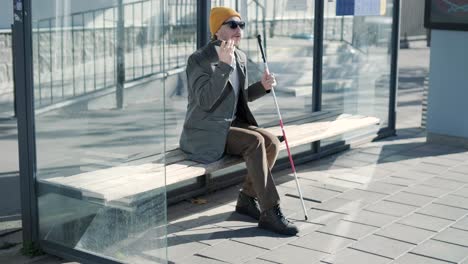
x=219 y=15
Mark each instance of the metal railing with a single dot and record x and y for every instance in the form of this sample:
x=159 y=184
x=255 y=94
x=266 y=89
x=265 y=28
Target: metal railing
x=76 y=54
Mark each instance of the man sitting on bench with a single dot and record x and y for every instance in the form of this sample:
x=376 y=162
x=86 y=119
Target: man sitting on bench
x=219 y=121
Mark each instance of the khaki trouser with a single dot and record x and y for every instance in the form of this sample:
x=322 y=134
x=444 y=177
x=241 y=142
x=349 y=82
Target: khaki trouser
x=259 y=149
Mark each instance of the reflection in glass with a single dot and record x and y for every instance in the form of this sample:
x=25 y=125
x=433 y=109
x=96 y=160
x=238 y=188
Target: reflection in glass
x=99 y=112
x=7 y=100
x=180 y=36
x=356 y=63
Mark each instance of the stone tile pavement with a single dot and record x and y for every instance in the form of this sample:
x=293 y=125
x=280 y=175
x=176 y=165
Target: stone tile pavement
x=11 y=245
x=407 y=207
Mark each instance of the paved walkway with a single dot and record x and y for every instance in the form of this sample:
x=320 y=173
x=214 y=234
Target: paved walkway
x=398 y=200
x=394 y=201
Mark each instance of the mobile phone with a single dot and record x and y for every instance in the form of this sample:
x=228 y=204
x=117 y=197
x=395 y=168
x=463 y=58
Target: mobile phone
x=217 y=42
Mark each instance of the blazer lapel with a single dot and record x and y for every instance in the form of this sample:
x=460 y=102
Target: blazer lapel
x=211 y=55
x=241 y=71
x=240 y=63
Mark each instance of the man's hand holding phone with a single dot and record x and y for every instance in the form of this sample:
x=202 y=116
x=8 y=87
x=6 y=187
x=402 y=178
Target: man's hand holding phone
x=226 y=51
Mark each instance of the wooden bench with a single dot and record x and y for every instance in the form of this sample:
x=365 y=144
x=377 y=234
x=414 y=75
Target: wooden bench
x=126 y=186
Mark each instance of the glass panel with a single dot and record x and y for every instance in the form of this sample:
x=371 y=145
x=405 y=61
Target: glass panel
x=99 y=113
x=287 y=29
x=6 y=64
x=357 y=60
x=180 y=34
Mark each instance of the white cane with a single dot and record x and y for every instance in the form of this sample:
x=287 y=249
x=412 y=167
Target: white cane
x=259 y=38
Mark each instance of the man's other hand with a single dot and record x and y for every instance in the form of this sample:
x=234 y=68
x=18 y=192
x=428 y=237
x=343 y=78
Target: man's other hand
x=268 y=80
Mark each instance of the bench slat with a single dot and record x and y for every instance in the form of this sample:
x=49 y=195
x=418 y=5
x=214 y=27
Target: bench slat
x=98 y=176
x=307 y=133
x=137 y=176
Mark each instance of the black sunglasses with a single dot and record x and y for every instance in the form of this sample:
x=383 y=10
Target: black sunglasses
x=233 y=24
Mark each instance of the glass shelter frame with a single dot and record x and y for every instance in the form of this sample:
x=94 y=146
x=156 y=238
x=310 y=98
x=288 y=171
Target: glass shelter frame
x=23 y=67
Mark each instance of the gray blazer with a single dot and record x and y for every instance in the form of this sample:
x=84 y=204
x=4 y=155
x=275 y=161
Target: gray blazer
x=211 y=103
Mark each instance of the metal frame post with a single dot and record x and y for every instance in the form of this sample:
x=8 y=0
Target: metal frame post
x=203 y=30
x=23 y=65
x=83 y=51
x=318 y=57
x=133 y=41
x=39 y=83
x=14 y=72
x=114 y=55
x=152 y=36
x=104 y=44
x=72 y=20
x=120 y=56
x=51 y=78
x=62 y=21
x=317 y=63
x=94 y=50
x=394 y=65
x=142 y=39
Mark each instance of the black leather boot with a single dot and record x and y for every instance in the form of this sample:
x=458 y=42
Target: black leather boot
x=274 y=220
x=248 y=205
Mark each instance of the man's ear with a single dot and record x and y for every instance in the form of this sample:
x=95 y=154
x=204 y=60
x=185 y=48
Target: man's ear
x=217 y=37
